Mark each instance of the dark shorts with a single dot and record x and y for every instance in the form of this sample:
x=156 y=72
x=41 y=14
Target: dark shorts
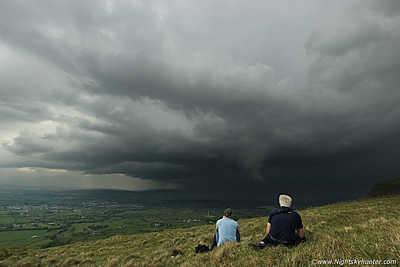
x=271 y=241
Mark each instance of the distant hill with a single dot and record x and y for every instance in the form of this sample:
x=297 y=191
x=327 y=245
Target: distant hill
x=334 y=233
x=390 y=187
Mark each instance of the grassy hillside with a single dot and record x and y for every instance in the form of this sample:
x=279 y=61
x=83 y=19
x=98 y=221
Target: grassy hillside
x=362 y=230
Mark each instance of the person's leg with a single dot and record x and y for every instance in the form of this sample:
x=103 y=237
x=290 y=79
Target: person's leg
x=214 y=242
x=237 y=235
x=267 y=241
x=290 y=244
x=299 y=240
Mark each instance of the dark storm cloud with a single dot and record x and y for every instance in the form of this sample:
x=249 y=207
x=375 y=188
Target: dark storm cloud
x=203 y=94
x=388 y=7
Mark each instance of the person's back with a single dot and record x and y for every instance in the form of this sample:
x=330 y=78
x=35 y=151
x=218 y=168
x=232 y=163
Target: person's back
x=284 y=226
x=227 y=229
x=284 y=223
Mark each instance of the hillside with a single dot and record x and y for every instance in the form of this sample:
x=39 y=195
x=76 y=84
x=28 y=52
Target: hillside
x=391 y=187
x=363 y=230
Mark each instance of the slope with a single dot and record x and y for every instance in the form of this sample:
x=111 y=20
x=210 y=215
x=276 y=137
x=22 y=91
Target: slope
x=363 y=230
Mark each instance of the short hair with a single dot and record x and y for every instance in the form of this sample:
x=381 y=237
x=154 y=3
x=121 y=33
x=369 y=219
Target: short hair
x=285 y=201
x=228 y=212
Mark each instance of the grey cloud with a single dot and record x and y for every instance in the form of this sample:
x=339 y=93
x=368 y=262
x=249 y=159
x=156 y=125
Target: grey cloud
x=155 y=91
x=388 y=8
x=21 y=112
x=40 y=46
x=359 y=60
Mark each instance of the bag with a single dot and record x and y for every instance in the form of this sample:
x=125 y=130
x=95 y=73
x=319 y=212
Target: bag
x=202 y=249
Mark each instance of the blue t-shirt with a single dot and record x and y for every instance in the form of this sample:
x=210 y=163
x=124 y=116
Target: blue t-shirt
x=284 y=222
x=226 y=230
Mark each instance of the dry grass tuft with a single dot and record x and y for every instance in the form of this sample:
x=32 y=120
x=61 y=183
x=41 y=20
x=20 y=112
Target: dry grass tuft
x=115 y=262
x=176 y=252
x=71 y=261
x=25 y=264
x=226 y=251
x=131 y=264
x=132 y=257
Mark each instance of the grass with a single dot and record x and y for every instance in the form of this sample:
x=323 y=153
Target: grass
x=362 y=230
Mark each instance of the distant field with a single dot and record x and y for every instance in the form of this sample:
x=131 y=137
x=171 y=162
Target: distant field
x=41 y=220
x=22 y=238
x=39 y=228
x=359 y=230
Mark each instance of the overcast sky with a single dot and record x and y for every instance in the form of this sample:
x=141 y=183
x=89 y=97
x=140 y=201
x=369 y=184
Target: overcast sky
x=209 y=96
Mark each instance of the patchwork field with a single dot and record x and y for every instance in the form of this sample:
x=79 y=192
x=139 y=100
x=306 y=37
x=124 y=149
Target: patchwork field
x=49 y=219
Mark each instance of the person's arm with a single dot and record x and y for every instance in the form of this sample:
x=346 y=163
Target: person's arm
x=300 y=233
x=300 y=230
x=268 y=228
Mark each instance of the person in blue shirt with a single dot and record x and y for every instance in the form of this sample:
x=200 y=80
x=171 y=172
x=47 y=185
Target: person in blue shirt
x=226 y=230
x=284 y=227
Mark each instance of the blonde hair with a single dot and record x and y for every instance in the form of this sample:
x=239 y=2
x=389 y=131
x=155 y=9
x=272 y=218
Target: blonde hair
x=285 y=200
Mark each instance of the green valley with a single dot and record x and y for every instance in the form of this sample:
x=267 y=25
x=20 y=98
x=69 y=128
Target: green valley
x=364 y=230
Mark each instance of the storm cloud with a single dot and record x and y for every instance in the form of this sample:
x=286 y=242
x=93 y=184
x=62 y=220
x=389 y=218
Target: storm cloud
x=204 y=95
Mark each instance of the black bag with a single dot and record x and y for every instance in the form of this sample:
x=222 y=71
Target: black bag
x=202 y=249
